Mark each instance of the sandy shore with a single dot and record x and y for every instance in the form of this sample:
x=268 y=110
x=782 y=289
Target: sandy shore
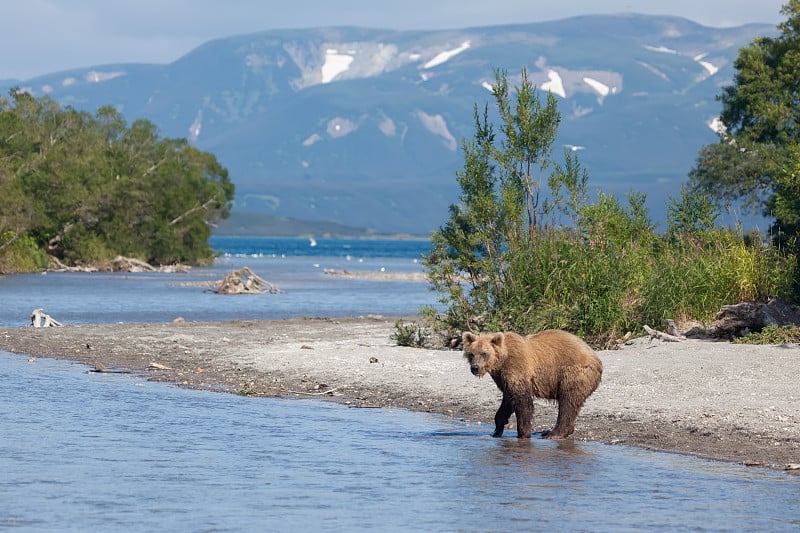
x=728 y=402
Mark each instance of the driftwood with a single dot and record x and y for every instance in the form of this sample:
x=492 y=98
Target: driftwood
x=244 y=281
x=740 y=319
x=734 y=321
x=158 y=366
x=130 y=264
x=55 y=264
x=40 y=319
x=660 y=335
x=118 y=264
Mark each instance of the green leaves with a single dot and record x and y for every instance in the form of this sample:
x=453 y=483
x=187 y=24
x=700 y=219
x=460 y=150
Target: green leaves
x=500 y=264
x=88 y=188
x=693 y=213
x=761 y=113
x=499 y=207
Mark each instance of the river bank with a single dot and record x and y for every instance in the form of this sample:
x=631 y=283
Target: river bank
x=737 y=403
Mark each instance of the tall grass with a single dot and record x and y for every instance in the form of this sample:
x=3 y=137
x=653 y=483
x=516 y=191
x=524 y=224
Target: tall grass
x=697 y=275
x=601 y=284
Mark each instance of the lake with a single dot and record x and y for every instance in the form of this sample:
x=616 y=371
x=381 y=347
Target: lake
x=84 y=451
x=296 y=267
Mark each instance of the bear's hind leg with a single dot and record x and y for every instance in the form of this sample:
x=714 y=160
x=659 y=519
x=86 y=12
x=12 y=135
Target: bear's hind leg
x=573 y=391
x=565 y=423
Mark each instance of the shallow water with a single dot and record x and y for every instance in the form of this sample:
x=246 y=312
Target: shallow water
x=291 y=264
x=83 y=451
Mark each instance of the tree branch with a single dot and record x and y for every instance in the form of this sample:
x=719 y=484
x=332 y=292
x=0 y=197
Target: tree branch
x=190 y=211
x=14 y=238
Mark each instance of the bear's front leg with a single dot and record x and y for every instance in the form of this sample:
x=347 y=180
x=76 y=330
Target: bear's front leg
x=502 y=415
x=523 y=409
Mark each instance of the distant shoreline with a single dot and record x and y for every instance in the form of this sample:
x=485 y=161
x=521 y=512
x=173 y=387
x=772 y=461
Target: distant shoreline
x=252 y=224
x=355 y=237
x=736 y=403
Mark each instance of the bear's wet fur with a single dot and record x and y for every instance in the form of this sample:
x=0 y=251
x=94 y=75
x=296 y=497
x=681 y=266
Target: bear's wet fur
x=553 y=364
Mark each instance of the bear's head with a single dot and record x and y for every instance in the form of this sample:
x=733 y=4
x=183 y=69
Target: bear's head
x=485 y=353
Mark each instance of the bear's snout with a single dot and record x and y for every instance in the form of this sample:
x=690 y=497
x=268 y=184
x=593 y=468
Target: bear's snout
x=475 y=369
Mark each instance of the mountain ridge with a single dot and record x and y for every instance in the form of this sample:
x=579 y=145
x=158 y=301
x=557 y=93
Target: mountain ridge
x=362 y=126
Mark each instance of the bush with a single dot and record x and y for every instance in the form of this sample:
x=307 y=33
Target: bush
x=772 y=335
x=410 y=334
x=20 y=254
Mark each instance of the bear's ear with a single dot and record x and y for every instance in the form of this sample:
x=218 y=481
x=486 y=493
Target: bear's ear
x=468 y=338
x=497 y=339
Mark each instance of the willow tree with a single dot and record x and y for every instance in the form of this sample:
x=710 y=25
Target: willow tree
x=500 y=208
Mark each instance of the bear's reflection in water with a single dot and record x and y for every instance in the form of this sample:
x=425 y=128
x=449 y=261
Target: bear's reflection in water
x=562 y=457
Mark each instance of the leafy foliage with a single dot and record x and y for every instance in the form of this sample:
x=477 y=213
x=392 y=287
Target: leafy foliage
x=86 y=188
x=507 y=261
x=410 y=334
x=757 y=158
x=772 y=335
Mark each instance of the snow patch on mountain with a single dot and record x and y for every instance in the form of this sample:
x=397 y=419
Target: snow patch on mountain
x=706 y=64
x=565 y=83
x=335 y=63
x=339 y=127
x=654 y=70
x=555 y=84
x=437 y=125
x=311 y=139
x=709 y=67
x=196 y=126
x=662 y=49
x=445 y=56
x=387 y=127
x=96 y=77
x=601 y=88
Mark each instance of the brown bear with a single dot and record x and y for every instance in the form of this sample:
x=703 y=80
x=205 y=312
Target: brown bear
x=553 y=364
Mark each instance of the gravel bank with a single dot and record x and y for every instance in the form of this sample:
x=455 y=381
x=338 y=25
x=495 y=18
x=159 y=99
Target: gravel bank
x=714 y=399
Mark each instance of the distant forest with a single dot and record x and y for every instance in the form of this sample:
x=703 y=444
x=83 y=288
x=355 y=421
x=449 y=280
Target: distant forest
x=84 y=188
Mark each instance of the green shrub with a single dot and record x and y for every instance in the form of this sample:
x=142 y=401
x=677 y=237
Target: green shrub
x=20 y=254
x=772 y=335
x=410 y=334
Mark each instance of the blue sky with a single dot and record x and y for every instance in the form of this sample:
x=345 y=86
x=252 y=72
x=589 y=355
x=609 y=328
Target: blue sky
x=43 y=36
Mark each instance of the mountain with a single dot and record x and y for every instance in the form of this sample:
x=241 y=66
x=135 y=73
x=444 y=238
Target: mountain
x=362 y=127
